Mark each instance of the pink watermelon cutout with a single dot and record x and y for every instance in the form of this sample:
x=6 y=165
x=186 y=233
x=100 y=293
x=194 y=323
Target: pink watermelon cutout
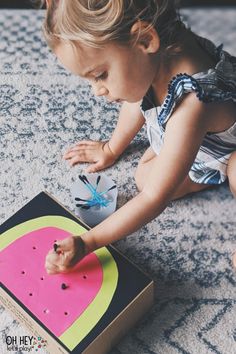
x=31 y=284
x=67 y=312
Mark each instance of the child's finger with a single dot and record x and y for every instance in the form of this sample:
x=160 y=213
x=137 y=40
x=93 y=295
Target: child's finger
x=80 y=155
x=82 y=158
x=66 y=244
x=98 y=166
x=56 y=262
x=51 y=269
x=76 y=151
x=52 y=257
x=64 y=269
x=71 y=156
x=80 y=148
x=74 y=161
x=68 y=149
x=68 y=155
x=86 y=142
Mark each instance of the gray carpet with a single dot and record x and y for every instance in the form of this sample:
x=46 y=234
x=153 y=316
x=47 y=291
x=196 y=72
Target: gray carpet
x=187 y=250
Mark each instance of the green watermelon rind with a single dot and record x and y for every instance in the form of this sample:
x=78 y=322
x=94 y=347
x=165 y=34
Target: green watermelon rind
x=97 y=308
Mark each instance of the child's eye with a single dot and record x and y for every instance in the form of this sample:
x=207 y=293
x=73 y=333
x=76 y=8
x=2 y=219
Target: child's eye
x=102 y=76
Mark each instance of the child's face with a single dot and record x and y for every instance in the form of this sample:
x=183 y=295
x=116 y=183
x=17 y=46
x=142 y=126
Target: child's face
x=119 y=73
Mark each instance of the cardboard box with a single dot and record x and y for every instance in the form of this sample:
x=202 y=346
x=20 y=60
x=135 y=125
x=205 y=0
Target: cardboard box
x=105 y=295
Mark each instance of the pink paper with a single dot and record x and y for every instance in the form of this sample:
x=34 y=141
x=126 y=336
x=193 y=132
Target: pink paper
x=22 y=272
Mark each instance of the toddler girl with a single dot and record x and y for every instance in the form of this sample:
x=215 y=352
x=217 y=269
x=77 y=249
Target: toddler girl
x=139 y=53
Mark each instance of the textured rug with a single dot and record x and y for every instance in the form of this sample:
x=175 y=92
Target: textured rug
x=187 y=250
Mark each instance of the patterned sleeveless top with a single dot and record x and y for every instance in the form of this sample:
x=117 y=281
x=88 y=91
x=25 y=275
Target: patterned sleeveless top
x=214 y=85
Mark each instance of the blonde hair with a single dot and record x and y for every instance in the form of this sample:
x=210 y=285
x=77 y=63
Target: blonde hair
x=97 y=22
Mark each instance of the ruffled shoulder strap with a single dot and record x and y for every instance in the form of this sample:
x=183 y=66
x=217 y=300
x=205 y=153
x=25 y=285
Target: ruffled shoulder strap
x=210 y=86
x=178 y=86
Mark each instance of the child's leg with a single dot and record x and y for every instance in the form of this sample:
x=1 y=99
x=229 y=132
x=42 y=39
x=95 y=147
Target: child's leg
x=231 y=172
x=144 y=166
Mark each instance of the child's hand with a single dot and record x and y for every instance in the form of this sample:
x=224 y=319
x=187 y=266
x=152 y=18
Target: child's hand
x=68 y=252
x=98 y=153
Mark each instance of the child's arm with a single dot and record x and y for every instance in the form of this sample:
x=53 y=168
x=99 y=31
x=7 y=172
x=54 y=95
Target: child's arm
x=102 y=154
x=184 y=133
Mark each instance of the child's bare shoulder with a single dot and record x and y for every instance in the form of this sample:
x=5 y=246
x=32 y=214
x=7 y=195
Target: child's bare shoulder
x=216 y=116
x=189 y=111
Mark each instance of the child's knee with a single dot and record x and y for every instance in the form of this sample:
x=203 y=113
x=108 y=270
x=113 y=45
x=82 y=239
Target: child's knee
x=231 y=173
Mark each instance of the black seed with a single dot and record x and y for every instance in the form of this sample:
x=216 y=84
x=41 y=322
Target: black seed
x=63 y=286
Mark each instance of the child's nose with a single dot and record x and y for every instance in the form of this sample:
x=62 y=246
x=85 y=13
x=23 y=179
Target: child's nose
x=100 y=91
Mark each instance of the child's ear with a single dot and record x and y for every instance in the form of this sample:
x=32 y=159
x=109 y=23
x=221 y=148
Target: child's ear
x=145 y=37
